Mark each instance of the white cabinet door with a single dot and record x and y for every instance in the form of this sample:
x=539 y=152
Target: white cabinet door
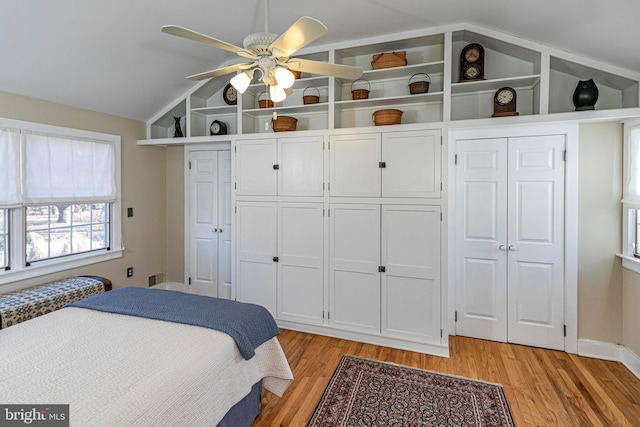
x=536 y=241
x=354 y=280
x=355 y=165
x=301 y=166
x=412 y=164
x=256 y=239
x=255 y=172
x=481 y=239
x=203 y=223
x=510 y=240
x=300 y=262
x=411 y=281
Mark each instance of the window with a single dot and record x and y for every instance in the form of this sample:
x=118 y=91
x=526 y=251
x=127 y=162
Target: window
x=59 y=199
x=58 y=230
x=631 y=199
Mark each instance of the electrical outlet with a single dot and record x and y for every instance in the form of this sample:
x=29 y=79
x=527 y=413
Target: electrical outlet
x=129 y=212
x=130 y=272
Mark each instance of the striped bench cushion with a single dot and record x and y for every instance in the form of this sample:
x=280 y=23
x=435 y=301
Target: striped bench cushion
x=19 y=306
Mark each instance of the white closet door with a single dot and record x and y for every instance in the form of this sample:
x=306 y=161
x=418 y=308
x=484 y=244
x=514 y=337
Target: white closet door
x=300 y=264
x=301 y=166
x=536 y=241
x=355 y=165
x=255 y=175
x=257 y=245
x=481 y=239
x=411 y=282
x=224 y=224
x=412 y=164
x=203 y=188
x=354 y=281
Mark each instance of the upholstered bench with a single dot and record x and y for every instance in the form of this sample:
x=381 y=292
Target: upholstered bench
x=19 y=306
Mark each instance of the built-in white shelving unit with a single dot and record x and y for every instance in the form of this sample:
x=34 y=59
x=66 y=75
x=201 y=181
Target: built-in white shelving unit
x=544 y=80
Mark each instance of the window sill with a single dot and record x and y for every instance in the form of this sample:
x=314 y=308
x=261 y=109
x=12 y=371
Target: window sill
x=54 y=266
x=631 y=263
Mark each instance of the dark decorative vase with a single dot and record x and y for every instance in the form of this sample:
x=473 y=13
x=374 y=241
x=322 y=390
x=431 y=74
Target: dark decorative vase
x=585 y=95
x=178 y=132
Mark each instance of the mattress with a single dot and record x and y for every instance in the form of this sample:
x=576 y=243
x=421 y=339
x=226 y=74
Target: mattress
x=114 y=369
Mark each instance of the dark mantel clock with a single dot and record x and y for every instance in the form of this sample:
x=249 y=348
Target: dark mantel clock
x=472 y=63
x=504 y=102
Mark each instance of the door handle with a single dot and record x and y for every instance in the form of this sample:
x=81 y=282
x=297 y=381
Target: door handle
x=215 y=230
x=512 y=247
x=502 y=247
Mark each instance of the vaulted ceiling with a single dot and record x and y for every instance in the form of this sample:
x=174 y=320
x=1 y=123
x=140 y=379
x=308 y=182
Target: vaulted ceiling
x=110 y=56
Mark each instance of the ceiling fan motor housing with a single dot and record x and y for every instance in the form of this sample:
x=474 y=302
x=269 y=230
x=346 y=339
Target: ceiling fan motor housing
x=259 y=42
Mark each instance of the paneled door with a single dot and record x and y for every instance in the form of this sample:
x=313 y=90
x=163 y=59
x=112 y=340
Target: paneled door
x=510 y=240
x=210 y=223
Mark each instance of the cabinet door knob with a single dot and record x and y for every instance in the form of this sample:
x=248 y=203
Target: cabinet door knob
x=502 y=247
x=276 y=167
x=275 y=259
x=512 y=247
x=215 y=230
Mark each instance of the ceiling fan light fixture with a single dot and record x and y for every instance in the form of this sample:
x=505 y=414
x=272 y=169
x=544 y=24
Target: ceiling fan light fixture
x=277 y=93
x=284 y=77
x=241 y=81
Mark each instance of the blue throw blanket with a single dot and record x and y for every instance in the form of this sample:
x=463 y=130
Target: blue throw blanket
x=248 y=324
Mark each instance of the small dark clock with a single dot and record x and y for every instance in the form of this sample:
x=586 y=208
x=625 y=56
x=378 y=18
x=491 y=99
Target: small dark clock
x=230 y=94
x=504 y=102
x=472 y=63
x=218 y=128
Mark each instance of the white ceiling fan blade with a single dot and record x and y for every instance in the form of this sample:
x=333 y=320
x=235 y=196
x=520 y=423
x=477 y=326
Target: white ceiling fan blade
x=218 y=72
x=315 y=67
x=301 y=33
x=176 y=30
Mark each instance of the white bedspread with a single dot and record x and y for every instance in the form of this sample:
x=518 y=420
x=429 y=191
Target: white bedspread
x=117 y=370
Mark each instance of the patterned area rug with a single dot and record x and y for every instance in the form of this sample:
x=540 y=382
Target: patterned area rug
x=370 y=393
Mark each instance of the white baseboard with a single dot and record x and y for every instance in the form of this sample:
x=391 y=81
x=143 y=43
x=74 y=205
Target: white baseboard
x=610 y=351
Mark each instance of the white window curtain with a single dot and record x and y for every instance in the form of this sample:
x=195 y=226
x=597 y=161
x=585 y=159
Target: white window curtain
x=45 y=169
x=62 y=169
x=10 y=194
x=632 y=194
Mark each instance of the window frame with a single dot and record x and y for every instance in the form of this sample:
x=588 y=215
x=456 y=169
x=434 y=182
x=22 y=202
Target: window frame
x=629 y=253
x=17 y=221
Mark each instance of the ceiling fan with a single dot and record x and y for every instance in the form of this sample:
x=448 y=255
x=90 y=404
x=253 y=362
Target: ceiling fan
x=270 y=54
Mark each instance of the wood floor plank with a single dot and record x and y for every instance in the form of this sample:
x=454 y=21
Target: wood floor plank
x=542 y=387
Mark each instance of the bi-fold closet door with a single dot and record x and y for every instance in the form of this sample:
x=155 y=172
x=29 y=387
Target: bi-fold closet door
x=510 y=239
x=209 y=219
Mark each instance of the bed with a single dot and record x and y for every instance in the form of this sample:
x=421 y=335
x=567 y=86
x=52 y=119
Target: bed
x=127 y=370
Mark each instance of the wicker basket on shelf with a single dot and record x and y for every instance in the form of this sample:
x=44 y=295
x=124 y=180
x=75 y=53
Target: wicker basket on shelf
x=360 y=93
x=264 y=101
x=387 y=117
x=284 y=123
x=419 y=86
x=389 y=60
x=313 y=98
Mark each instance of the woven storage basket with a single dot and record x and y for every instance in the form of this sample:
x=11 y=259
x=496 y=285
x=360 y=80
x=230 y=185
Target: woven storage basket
x=387 y=117
x=419 y=86
x=389 y=60
x=264 y=101
x=284 y=123
x=311 y=99
x=360 y=93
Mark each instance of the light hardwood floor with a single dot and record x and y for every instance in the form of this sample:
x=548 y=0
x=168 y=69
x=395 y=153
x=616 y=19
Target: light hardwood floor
x=543 y=387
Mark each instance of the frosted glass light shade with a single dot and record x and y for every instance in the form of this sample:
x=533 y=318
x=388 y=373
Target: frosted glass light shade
x=277 y=93
x=284 y=77
x=241 y=82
